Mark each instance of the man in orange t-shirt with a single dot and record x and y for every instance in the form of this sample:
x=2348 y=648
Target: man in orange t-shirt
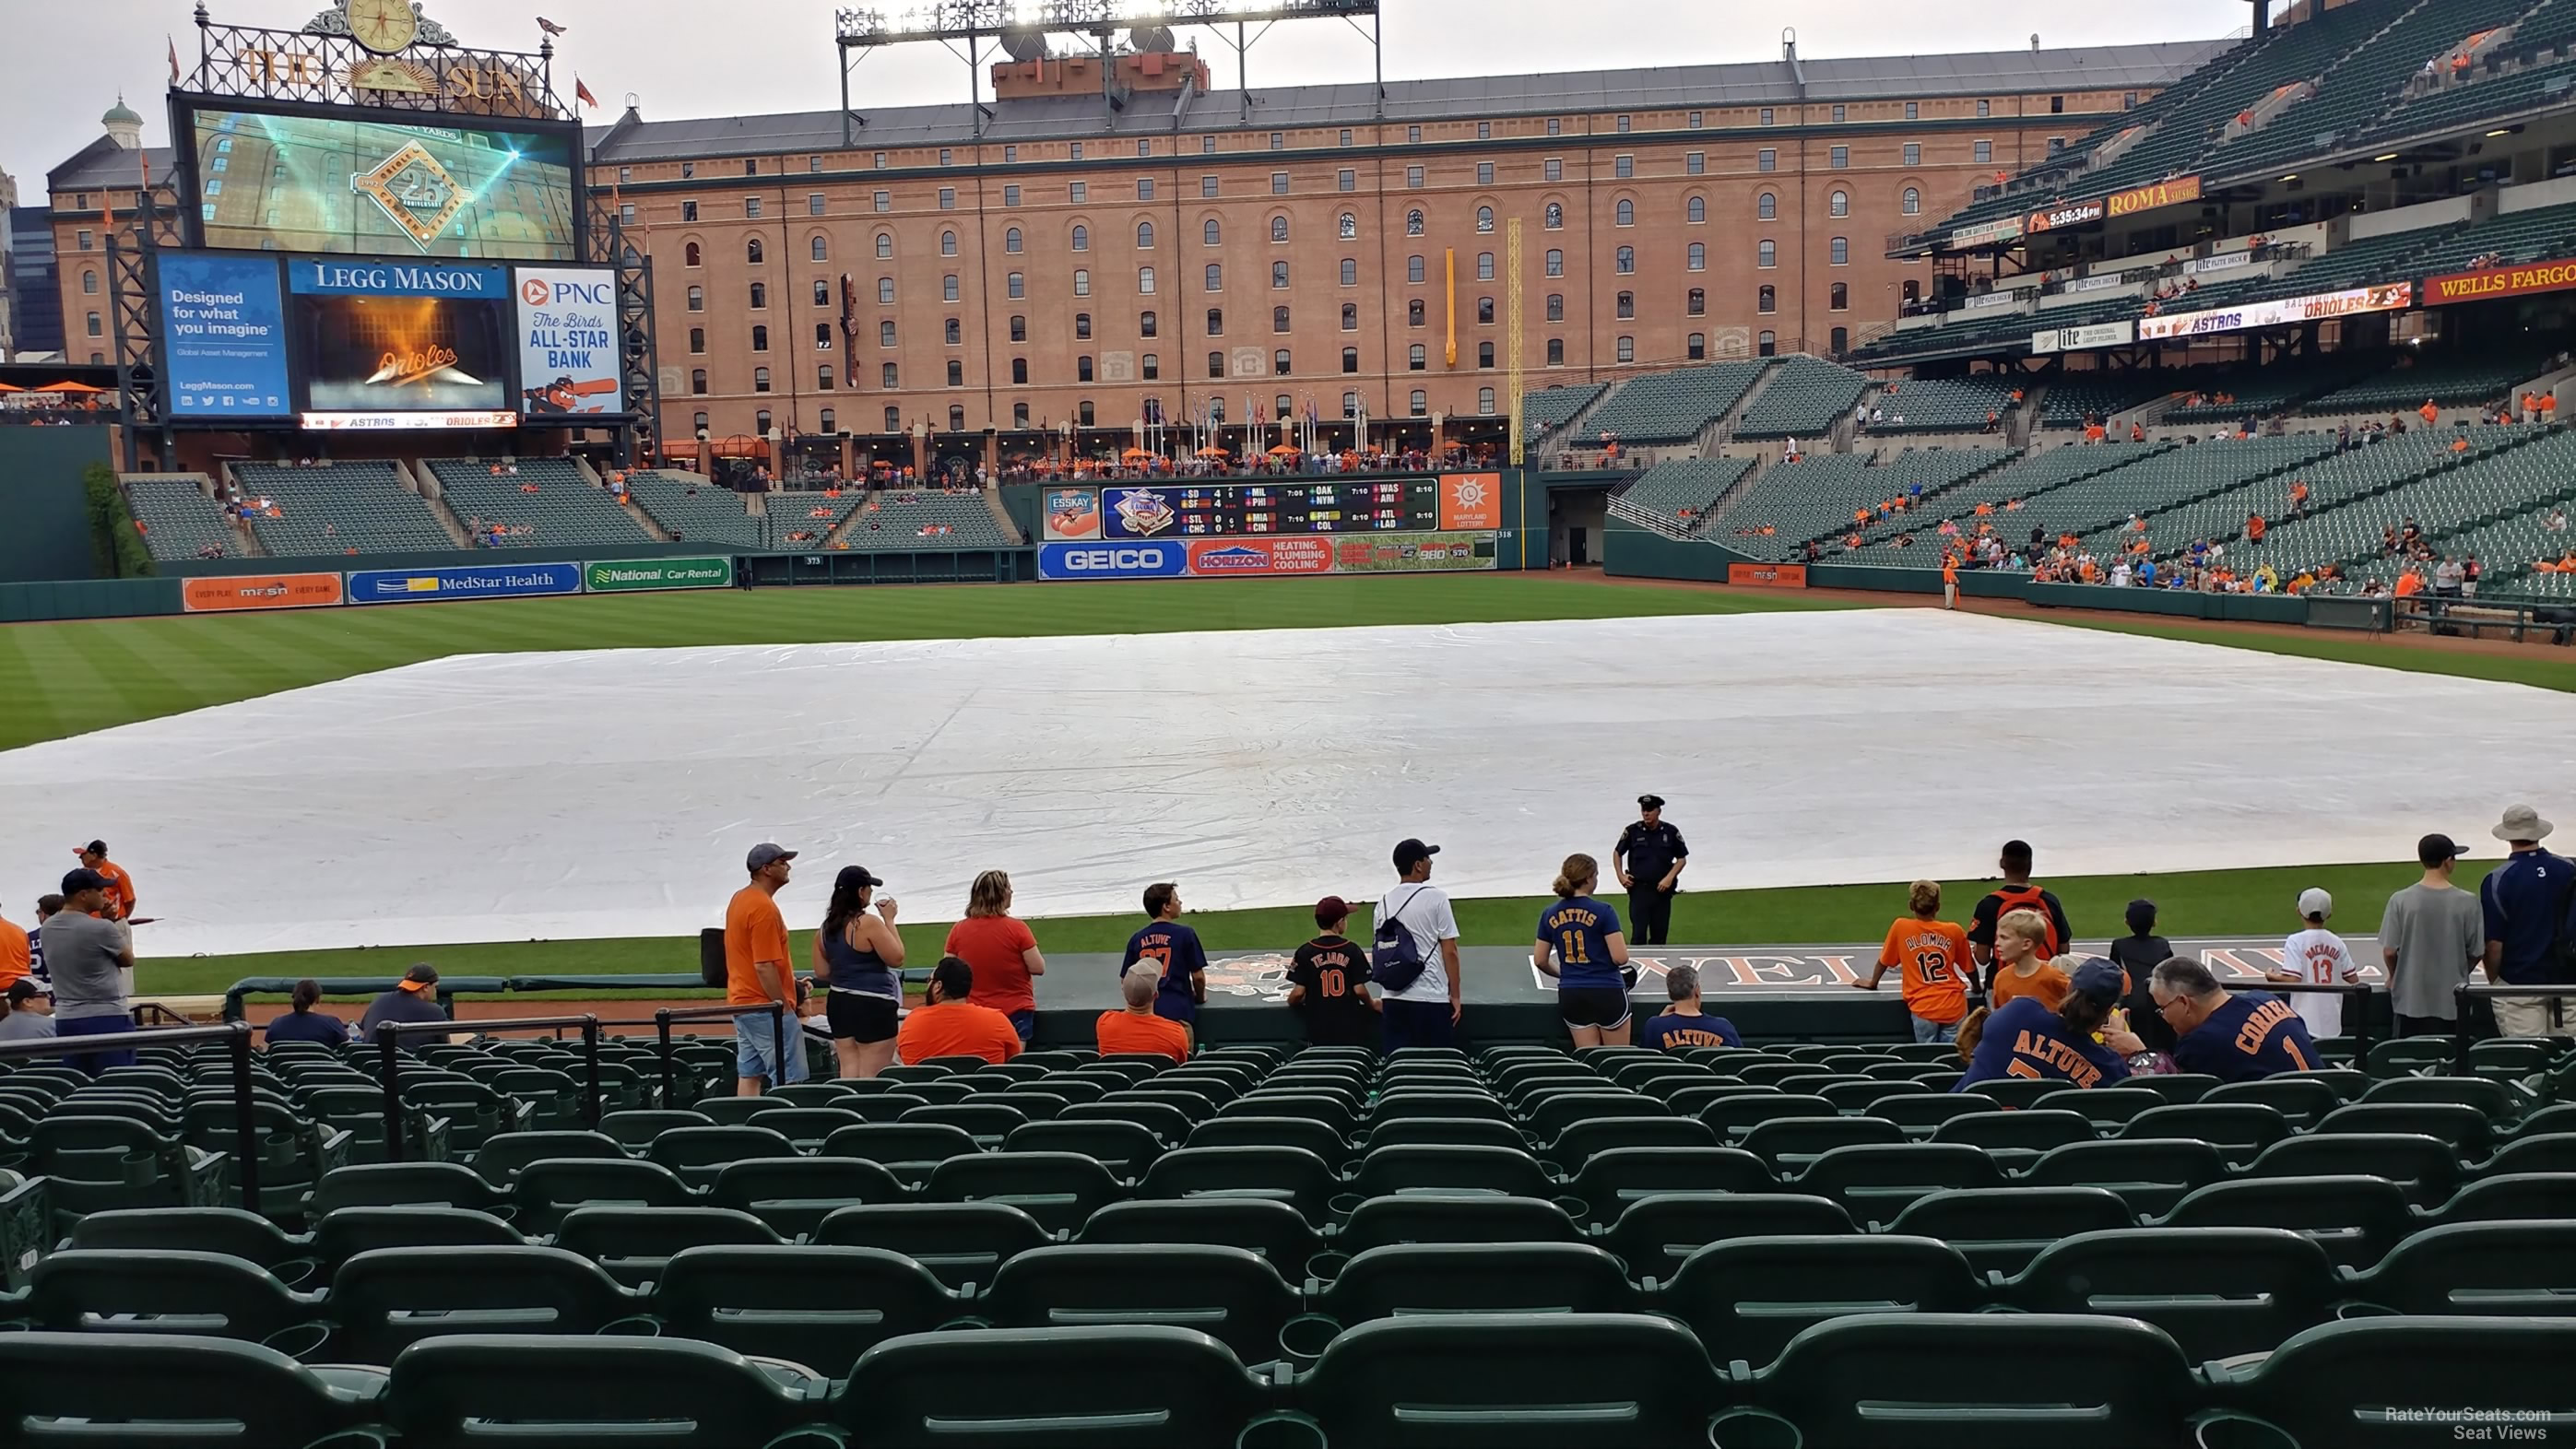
x=1949 y=580
x=1138 y=1029
x=1933 y=956
x=2429 y=413
x=946 y=1024
x=16 y=958
x=759 y=972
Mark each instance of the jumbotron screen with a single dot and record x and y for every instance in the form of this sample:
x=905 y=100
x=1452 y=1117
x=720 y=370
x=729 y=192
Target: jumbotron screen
x=342 y=184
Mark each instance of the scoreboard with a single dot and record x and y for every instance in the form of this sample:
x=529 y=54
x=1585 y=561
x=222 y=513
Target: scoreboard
x=1232 y=510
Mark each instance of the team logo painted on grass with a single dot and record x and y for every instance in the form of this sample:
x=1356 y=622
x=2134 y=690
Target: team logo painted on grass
x=1265 y=977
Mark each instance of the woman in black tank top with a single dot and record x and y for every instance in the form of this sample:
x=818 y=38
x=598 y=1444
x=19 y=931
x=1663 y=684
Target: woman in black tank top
x=857 y=959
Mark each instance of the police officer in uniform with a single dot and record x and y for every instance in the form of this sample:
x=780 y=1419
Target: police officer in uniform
x=1650 y=856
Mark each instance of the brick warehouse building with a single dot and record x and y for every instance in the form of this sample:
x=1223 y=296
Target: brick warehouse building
x=1083 y=264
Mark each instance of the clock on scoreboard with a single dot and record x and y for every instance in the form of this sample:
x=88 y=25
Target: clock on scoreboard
x=1236 y=510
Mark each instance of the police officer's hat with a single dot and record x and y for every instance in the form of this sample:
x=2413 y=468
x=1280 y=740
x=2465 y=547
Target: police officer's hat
x=1650 y=802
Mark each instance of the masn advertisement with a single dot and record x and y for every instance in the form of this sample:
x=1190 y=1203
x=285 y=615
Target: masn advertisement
x=223 y=329
x=233 y=592
x=500 y=581
x=658 y=573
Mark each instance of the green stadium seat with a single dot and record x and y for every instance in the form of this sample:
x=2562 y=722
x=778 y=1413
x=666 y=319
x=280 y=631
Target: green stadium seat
x=2551 y=1153
x=96 y=1163
x=1513 y=1381
x=1425 y=1279
x=1168 y=1123
x=409 y=1184
x=2424 y=1166
x=960 y=1243
x=1236 y=1297
x=590 y=1393
x=167 y=1391
x=2150 y=1176
x=500 y=1158
x=1502 y=1171
x=1274 y=1230
x=1611 y=1181
x=985 y=1123
x=2218 y=1291
x=2470 y=1132
x=2000 y=1229
x=2301 y=1100
x=634 y=1243
x=737 y=1111
x=1789 y=1144
x=1058 y=1189
x=1874 y=1181
x=1865 y=1098
x=162 y=1290
x=1580 y=1141
x=817 y=1306
x=2490 y=1268
x=1406 y=1102
x=2107 y=1108
x=1656 y=1233
x=1923 y=1114
x=909 y=1150
x=1443 y=1132
x=2355 y=1219
x=1747 y=1297
x=387 y=1300
x=2001 y=1381
x=1290 y=1175
x=546 y=1189
x=1734 y=1117
x=1148 y=1387
x=2509 y=1197
x=2393 y=1383
x=1442 y=1218
x=795 y=1194
x=2013 y=1094
x=2489 y=1098
x=2241 y=1130
x=233 y=1232
x=806 y=1128
x=695 y=1155
x=346 y=1232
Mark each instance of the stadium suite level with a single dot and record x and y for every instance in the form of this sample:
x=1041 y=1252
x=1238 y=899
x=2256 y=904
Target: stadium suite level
x=1627 y=215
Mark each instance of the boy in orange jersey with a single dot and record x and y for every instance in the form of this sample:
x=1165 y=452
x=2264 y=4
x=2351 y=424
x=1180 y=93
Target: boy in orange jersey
x=1932 y=955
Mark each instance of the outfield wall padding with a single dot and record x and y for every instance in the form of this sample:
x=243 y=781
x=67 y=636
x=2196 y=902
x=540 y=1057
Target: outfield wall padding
x=46 y=536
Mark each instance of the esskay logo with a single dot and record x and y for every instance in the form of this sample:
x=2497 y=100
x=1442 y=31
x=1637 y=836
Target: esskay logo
x=533 y=292
x=1104 y=560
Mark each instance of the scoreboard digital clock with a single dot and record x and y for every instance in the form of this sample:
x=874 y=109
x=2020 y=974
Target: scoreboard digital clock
x=1253 y=510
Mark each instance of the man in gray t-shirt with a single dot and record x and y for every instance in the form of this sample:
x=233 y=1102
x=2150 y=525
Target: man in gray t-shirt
x=88 y=957
x=2432 y=934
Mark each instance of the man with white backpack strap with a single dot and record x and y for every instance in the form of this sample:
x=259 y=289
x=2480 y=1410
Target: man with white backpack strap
x=1415 y=960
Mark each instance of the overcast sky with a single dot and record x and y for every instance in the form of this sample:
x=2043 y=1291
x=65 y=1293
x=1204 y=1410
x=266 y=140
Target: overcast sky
x=63 y=61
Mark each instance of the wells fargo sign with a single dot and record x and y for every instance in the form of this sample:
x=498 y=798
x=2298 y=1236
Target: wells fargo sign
x=2557 y=276
x=2148 y=198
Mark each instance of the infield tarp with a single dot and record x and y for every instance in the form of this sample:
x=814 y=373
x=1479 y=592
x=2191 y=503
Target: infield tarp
x=614 y=792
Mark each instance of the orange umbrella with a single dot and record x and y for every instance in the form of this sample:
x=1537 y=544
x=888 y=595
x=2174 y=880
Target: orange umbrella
x=69 y=387
x=5 y=387
x=1212 y=452
x=1135 y=453
x=1282 y=449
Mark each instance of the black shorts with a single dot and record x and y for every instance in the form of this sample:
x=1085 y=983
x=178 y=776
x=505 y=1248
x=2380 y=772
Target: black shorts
x=859 y=1018
x=1601 y=1006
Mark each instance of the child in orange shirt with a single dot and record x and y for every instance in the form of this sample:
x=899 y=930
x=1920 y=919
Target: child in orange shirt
x=1932 y=955
x=2022 y=968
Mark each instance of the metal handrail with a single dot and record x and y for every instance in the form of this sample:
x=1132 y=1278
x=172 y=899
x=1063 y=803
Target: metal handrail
x=2469 y=991
x=235 y=1034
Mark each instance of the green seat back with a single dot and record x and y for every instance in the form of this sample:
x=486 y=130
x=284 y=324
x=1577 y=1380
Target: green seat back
x=795 y=1194
x=2000 y=1229
x=909 y=1150
x=1442 y=1132
x=407 y=1184
x=1143 y=1387
x=2355 y=1219
x=1432 y=1278
x=346 y=1232
x=817 y=1306
x=167 y=1391
x=696 y=1154
x=635 y=1130
x=1513 y=1381
x=1449 y=1218
x=2300 y=1098
x=2240 y=1130
x=1274 y=1230
x=1941 y=1380
x=960 y=1243
x=587 y=1393
x=1613 y=1180
x=1500 y=1170
x=1657 y=1233
x=2150 y=1176
x=1789 y=1144
x=2216 y=1291
x=1312 y=1134
x=1747 y=1297
x=633 y=1243
x=547 y=1189
x=1733 y=1117
x=1874 y=1181
x=1058 y=1189
x=390 y=1298
x=168 y=1290
x=1549 y=1117
x=2470 y=1131
x=2526 y=1268
x=2393 y=1383
x=1123 y=1147
x=1290 y=1175
x=500 y=1157
x=1578 y=1142
x=1235 y=1297
x=2426 y=1167
x=2508 y=1197
x=2552 y=1152
x=226 y=1230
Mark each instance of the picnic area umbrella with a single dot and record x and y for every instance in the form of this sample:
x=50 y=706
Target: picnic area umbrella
x=1212 y=452
x=70 y=387
x=1135 y=453
x=1283 y=448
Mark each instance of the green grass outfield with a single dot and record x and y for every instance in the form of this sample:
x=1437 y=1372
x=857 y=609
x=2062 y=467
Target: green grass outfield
x=66 y=679
x=2203 y=903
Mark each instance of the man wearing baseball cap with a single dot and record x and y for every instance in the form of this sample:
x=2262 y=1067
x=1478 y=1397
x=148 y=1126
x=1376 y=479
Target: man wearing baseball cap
x=1649 y=858
x=2526 y=905
x=120 y=883
x=2025 y=1037
x=759 y=972
x=1425 y=1011
x=88 y=956
x=2432 y=935
x=413 y=999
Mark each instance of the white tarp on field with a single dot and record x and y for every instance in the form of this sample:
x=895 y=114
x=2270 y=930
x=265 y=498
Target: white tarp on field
x=613 y=792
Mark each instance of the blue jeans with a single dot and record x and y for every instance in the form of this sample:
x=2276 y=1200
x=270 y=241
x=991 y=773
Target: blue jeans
x=1025 y=1023
x=96 y=1062
x=1928 y=1031
x=1417 y=1023
x=756 y=1049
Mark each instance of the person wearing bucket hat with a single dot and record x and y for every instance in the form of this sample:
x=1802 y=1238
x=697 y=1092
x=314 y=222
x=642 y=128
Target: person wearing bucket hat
x=2235 y=1036
x=2025 y=1037
x=2526 y=903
